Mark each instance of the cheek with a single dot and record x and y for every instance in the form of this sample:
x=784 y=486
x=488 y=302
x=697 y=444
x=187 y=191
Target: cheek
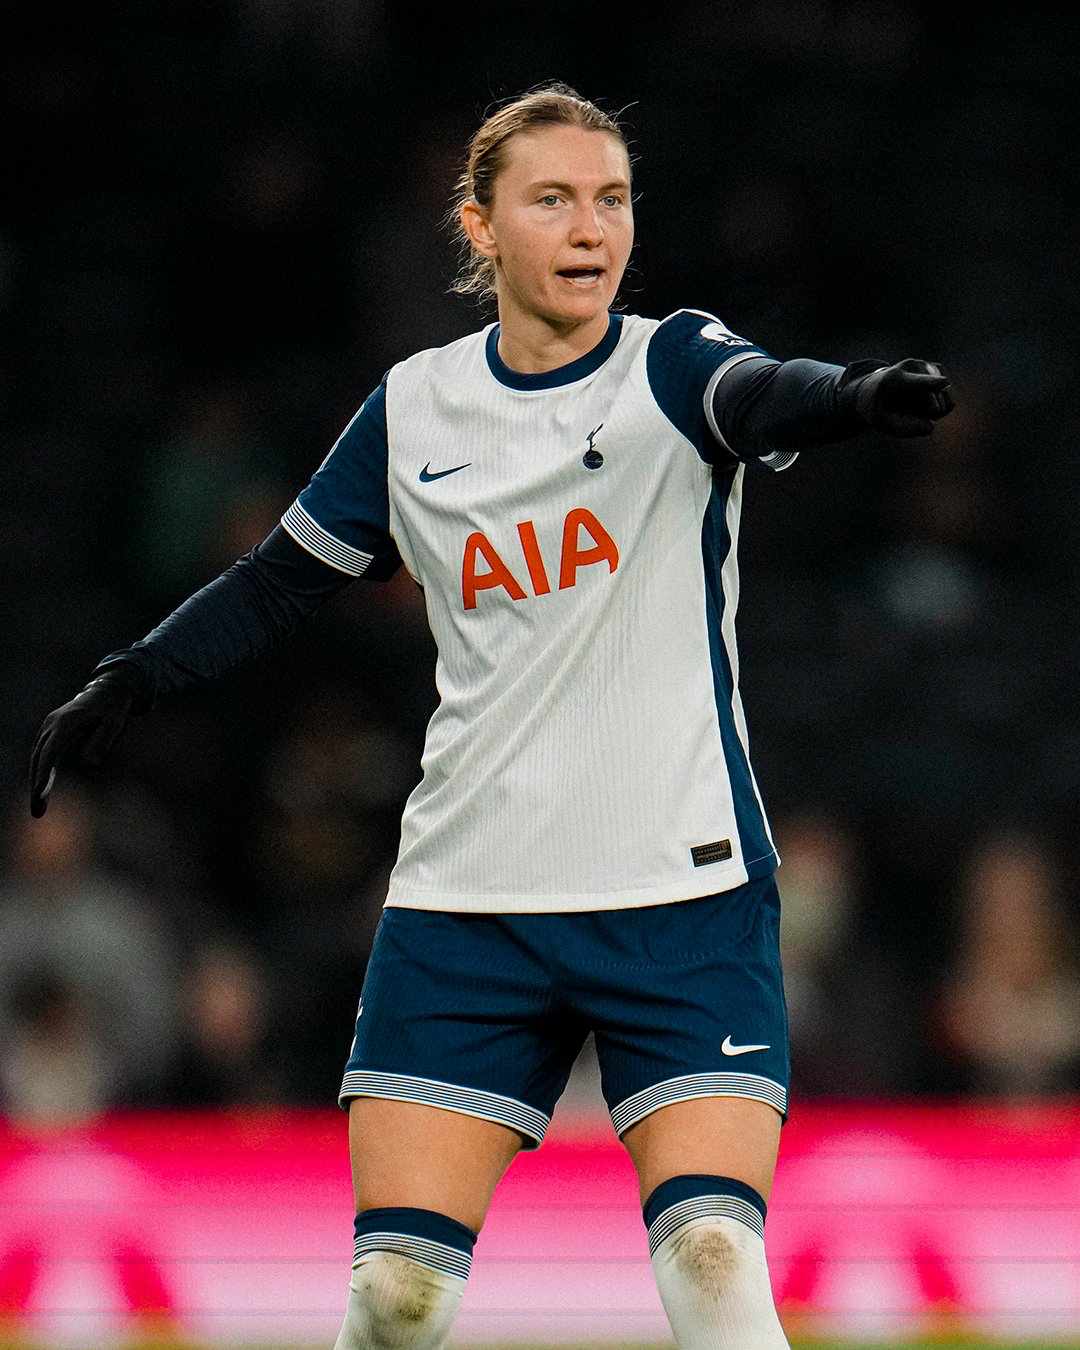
x=524 y=263
x=514 y=261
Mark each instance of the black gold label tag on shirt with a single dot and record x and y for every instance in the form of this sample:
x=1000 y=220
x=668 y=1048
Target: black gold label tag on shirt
x=703 y=854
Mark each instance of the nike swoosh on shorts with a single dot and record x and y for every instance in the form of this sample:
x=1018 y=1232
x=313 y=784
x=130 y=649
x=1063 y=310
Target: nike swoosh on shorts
x=730 y=1049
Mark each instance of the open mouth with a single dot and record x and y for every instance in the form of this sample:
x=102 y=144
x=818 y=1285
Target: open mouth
x=581 y=276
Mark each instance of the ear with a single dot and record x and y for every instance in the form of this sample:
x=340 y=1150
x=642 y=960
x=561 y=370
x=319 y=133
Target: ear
x=477 y=226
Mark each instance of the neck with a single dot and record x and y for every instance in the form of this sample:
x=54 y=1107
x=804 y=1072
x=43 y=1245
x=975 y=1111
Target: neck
x=532 y=345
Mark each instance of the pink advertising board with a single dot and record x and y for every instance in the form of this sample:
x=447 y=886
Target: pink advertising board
x=886 y=1220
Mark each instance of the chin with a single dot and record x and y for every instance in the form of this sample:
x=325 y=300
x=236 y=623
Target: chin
x=583 y=311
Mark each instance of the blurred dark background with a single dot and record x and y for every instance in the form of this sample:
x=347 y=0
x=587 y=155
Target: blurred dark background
x=220 y=222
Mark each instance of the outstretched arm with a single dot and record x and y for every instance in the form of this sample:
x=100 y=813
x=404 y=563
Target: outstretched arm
x=732 y=400
x=261 y=599
x=758 y=408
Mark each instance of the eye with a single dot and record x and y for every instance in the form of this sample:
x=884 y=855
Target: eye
x=611 y=199
x=549 y=199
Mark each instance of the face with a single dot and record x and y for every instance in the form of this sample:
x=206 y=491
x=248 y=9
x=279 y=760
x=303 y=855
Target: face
x=560 y=227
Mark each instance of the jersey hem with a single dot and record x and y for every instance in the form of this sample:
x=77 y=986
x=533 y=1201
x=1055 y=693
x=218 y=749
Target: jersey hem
x=712 y=882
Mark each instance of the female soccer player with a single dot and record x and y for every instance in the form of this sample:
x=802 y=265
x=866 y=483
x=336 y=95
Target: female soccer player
x=587 y=849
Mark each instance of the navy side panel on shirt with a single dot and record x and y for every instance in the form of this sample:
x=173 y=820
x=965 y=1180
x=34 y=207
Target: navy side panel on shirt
x=343 y=515
x=716 y=545
x=684 y=354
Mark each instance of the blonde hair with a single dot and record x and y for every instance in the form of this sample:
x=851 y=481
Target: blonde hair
x=554 y=104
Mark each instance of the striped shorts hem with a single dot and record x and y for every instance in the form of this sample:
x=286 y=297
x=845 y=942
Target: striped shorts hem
x=515 y=1115
x=683 y=1089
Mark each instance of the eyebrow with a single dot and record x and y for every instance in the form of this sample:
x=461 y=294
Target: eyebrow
x=569 y=187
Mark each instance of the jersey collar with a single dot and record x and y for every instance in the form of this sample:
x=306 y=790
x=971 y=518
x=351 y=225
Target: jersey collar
x=552 y=379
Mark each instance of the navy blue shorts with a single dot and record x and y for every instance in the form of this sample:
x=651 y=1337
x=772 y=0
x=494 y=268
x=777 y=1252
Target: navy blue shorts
x=486 y=1013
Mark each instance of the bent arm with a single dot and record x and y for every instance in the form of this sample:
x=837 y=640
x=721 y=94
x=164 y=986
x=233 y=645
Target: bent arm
x=266 y=595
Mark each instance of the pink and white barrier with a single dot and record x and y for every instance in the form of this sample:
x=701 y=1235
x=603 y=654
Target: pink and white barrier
x=886 y=1220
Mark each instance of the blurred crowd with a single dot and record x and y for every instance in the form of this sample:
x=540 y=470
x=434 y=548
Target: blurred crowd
x=221 y=223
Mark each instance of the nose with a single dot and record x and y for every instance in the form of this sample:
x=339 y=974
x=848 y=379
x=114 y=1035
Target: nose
x=586 y=229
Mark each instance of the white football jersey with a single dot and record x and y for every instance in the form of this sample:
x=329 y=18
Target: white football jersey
x=577 y=550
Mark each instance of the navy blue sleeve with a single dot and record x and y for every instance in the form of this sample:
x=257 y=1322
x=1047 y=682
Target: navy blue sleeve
x=263 y=597
x=685 y=353
x=342 y=517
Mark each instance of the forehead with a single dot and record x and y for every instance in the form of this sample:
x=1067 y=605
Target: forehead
x=564 y=153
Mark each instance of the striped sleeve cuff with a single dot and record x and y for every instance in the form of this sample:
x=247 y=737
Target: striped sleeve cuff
x=779 y=460
x=310 y=535
x=710 y=391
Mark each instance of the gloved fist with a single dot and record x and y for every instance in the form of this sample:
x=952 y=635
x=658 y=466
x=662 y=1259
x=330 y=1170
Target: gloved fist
x=905 y=399
x=89 y=725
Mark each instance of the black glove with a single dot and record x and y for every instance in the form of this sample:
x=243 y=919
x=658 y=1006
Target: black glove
x=902 y=400
x=89 y=724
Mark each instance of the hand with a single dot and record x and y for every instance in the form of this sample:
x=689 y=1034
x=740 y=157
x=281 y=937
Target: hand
x=905 y=399
x=89 y=724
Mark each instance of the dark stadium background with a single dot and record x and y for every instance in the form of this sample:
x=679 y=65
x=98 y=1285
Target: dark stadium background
x=221 y=222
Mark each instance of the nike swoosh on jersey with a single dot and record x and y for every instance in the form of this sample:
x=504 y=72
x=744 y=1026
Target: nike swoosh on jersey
x=730 y=1049
x=426 y=476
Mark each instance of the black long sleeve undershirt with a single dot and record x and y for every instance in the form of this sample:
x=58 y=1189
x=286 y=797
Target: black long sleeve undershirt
x=764 y=407
x=268 y=594
x=760 y=407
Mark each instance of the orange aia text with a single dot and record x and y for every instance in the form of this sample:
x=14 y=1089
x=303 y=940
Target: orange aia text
x=597 y=546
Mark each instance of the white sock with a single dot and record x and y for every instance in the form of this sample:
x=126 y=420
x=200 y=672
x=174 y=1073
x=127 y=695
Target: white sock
x=396 y=1303
x=714 y=1285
